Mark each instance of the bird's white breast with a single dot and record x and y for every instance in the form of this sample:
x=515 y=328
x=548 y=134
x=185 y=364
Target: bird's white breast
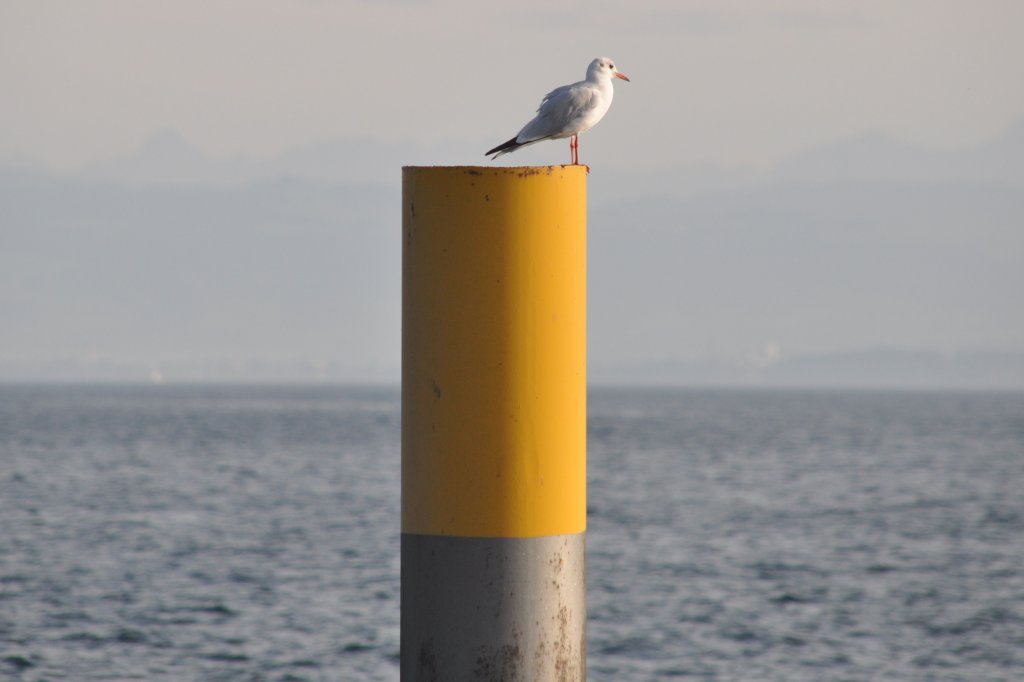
x=600 y=107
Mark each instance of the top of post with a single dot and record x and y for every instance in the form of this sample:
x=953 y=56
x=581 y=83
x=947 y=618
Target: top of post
x=499 y=171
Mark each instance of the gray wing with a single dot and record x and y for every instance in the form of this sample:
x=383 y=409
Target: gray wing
x=559 y=113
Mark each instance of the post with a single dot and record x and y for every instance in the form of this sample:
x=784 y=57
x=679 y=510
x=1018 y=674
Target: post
x=493 y=423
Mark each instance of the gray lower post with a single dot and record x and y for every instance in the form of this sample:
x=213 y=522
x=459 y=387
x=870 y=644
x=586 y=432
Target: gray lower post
x=505 y=609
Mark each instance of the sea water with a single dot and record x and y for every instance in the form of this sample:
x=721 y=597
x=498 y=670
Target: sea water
x=251 y=533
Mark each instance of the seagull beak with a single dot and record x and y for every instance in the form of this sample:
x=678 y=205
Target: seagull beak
x=622 y=76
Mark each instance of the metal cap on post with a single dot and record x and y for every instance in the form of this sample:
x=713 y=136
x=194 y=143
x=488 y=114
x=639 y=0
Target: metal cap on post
x=493 y=423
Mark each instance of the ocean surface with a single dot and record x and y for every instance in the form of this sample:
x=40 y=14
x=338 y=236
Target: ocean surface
x=251 y=533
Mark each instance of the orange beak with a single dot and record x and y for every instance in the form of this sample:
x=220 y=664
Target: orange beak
x=622 y=76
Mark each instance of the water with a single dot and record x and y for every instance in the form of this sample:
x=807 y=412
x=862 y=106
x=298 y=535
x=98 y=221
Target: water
x=807 y=536
x=251 y=533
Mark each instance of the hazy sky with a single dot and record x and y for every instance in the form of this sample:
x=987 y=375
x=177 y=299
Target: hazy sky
x=739 y=212
x=713 y=81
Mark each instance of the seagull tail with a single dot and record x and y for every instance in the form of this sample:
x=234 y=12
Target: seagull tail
x=504 y=148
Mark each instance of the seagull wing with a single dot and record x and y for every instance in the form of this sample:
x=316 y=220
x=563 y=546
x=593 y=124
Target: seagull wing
x=560 y=113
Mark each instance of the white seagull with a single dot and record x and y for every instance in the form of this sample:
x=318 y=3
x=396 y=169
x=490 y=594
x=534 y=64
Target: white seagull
x=569 y=110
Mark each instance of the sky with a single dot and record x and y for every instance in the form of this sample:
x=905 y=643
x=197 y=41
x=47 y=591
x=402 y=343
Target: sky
x=780 y=179
x=721 y=82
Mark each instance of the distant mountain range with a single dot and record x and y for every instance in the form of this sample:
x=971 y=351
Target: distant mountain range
x=170 y=265
x=168 y=159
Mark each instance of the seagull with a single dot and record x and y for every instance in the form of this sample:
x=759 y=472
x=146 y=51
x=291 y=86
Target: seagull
x=569 y=110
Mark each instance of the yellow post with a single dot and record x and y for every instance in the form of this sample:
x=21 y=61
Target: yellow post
x=493 y=423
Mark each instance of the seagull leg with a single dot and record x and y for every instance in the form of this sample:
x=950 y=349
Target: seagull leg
x=577 y=138
x=572 y=149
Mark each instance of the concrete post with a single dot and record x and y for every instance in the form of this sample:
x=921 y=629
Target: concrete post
x=493 y=423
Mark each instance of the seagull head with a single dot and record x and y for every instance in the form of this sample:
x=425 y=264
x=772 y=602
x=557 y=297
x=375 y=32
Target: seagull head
x=604 y=68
